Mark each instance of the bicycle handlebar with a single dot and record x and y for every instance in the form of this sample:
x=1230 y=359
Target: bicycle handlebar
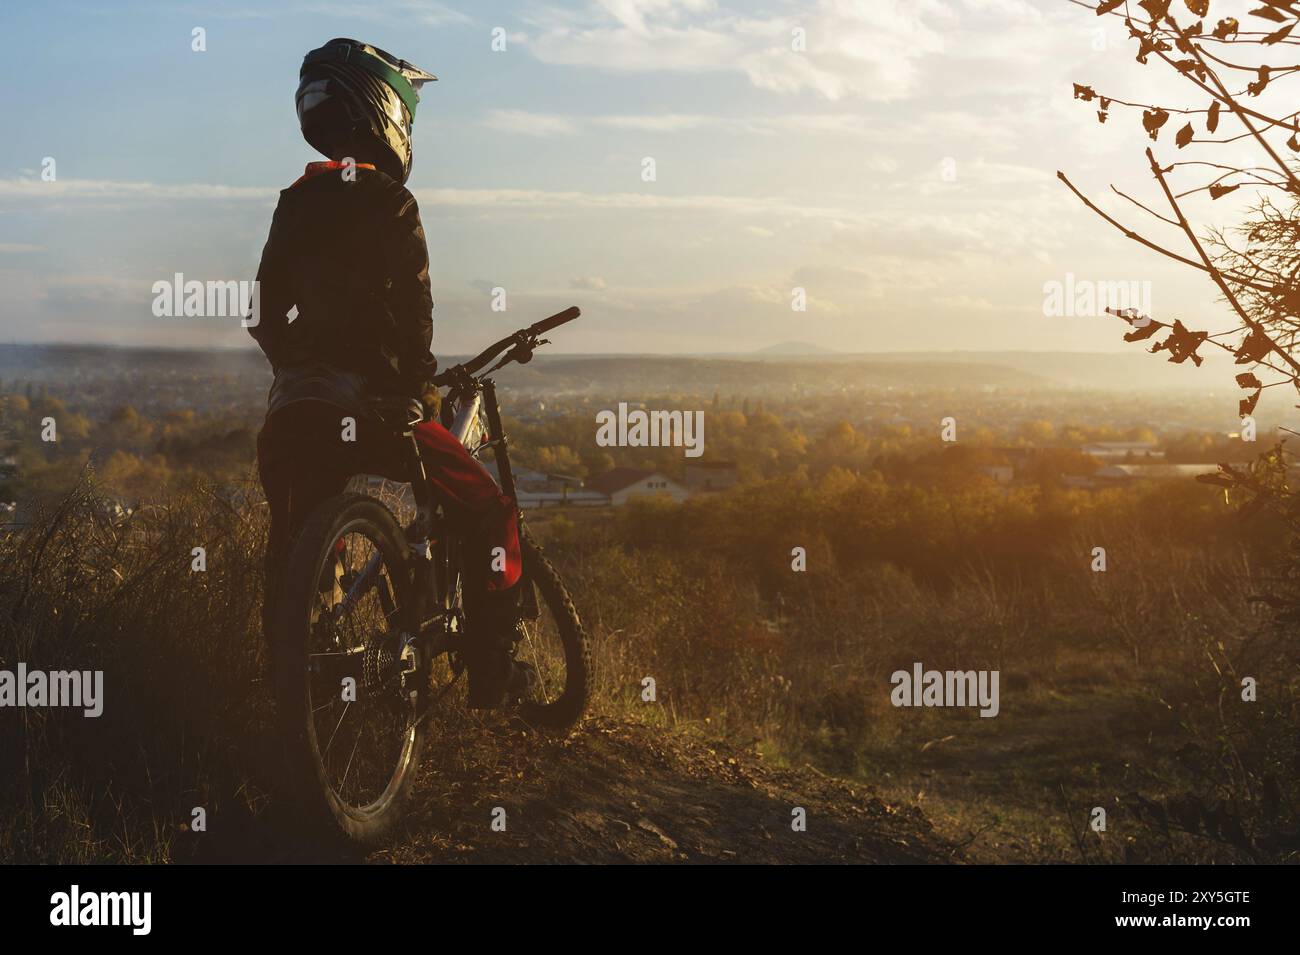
x=522 y=336
x=555 y=321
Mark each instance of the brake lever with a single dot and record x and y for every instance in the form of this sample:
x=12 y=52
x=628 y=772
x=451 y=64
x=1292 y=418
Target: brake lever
x=522 y=350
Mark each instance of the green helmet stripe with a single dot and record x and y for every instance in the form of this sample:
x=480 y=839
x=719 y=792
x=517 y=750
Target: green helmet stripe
x=376 y=65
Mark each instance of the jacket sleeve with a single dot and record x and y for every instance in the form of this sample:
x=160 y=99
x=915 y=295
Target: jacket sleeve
x=410 y=297
x=274 y=295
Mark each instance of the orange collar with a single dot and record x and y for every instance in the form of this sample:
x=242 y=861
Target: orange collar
x=316 y=168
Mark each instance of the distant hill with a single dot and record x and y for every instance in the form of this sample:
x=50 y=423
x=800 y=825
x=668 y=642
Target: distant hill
x=1131 y=370
x=789 y=375
x=795 y=348
x=171 y=375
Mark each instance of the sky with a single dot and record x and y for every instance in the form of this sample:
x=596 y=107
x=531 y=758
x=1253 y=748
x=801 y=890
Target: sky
x=900 y=168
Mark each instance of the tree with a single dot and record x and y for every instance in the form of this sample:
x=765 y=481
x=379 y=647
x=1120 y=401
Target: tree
x=1240 y=96
x=1240 y=77
x=562 y=460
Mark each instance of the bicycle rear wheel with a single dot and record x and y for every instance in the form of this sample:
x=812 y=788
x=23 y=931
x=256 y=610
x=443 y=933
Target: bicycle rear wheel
x=349 y=683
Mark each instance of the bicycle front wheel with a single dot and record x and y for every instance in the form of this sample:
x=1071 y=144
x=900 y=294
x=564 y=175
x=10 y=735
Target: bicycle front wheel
x=555 y=645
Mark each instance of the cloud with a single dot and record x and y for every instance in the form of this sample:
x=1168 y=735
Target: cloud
x=109 y=189
x=507 y=200
x=425 y=12
x=77 y=292
x=964 y=303
x=552 y=124
x=529 y=124
x=850 y=49
x=526 y=200
x=994 y=130
x=589 y=283
x=663 y=123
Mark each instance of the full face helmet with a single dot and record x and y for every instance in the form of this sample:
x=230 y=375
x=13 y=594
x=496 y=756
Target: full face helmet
x=357 y=100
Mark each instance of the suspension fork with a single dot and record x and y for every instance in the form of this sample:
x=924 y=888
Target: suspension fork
x=421 y=557
x=500 y=443
x=497 y=435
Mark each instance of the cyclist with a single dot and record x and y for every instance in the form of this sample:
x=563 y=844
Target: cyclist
x=347 y=250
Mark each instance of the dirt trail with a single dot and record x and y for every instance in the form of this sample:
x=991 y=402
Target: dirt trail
x=612 y=791
x=622 y=792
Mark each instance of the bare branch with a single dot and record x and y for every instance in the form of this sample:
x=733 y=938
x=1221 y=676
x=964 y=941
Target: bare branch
x=1209 y=265
x=1236 y=108
x=1136 y=237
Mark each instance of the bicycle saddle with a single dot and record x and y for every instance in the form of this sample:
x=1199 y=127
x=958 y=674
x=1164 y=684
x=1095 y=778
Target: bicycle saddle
x=396 y=412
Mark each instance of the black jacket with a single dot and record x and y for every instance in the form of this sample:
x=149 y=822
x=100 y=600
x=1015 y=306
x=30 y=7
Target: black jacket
x=351 y=256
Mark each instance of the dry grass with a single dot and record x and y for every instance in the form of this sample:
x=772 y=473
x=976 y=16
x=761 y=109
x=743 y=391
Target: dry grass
x=1118 y=689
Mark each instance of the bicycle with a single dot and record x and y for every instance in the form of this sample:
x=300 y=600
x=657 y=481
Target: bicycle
x=370 y=628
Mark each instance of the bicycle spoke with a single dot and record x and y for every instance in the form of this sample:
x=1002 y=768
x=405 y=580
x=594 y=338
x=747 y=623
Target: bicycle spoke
x=346 y=707
x=542 y=677
x=344 y=781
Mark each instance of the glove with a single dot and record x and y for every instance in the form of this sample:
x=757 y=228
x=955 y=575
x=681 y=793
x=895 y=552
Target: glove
x=432 y=401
